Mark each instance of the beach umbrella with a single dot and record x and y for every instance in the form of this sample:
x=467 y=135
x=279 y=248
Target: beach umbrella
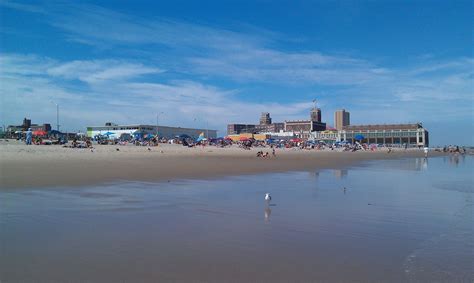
x=39 y=133
x=295 y=140
x=359 y=137
x=108 y=134
x=243 y=139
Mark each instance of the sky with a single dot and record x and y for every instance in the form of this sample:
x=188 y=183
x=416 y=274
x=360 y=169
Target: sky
x=211 y=63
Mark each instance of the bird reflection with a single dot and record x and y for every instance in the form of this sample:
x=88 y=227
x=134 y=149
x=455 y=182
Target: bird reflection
x=424 y=164
x=268 y=211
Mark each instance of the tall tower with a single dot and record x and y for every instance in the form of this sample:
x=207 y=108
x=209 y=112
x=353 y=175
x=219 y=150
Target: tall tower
x=265 y=119
x=315 y=114
x=341 y=119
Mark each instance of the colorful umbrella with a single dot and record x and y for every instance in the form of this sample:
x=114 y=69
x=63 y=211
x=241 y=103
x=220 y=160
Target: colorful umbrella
x=39 y=133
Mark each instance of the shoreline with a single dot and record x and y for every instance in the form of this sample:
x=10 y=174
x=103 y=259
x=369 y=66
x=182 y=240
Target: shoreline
x=54 y=166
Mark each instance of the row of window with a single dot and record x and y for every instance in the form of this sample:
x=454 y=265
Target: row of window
x=381 y=135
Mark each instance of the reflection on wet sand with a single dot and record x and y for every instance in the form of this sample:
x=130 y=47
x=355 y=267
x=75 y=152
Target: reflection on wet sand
x=340 y=173
x=268 y=212
x=417 y=228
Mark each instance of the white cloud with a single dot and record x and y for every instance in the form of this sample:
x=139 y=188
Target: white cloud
x=185 y=103
x=100 y=70
x=200 y=56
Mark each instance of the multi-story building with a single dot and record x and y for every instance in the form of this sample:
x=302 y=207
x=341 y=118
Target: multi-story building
x=315 y=114
x=265 y=125
x=235 y=129
x=341 y=119
x=303 y=128
x=27 y=125
x=411 y=134
x=265 y=119
x=273 y=127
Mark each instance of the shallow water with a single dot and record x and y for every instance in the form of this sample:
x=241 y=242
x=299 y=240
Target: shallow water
x=397 y=220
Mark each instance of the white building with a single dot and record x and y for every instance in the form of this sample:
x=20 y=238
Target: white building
x=117 y=131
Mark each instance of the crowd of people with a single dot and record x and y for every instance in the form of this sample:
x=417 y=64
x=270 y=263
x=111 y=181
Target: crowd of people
x=246 y=144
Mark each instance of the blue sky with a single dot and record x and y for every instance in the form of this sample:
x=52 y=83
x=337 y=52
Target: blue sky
x=216 y=62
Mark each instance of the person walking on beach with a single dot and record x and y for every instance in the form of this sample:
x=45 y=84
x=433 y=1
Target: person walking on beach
x=426 y=151
x=29 y=136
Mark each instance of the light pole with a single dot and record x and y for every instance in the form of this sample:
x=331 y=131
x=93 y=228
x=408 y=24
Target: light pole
x=157 y=120
x=57 y=115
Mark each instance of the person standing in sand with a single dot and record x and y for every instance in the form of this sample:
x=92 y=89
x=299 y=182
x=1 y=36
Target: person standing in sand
x=29 y=136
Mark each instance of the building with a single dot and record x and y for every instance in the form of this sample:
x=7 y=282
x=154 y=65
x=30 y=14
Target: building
x=265 y=119
x=315 y=114
x=265 y=125
x=273 y=127
x=303 y=128
x=341 y=119
x=125 y=131
x=235 y=129
x=11 y=129
x=393 y=134
x=327 y=136
x=300 y=127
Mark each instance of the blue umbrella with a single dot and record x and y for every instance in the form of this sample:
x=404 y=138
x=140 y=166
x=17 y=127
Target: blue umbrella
x=108 y=134
x=359 y=137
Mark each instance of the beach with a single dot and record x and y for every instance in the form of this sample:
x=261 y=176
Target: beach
x=24 y=166
x=396 y=220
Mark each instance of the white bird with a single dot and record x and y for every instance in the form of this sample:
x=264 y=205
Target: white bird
x=268 y=197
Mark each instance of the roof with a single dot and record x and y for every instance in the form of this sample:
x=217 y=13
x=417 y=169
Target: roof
x=383 y=127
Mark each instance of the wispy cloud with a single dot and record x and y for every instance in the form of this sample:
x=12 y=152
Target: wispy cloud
x=207 y=69
x=100 y=70
x=122 y=99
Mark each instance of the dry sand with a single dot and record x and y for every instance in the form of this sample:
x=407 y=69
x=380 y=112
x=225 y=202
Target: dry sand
x=35 y=166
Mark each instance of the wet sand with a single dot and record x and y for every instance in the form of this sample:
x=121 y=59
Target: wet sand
x=403 y=220
x=54 y=166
